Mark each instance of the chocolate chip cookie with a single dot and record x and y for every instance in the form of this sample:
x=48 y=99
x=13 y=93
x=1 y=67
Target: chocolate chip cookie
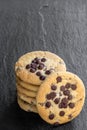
x=35 y=66
x=60 y=98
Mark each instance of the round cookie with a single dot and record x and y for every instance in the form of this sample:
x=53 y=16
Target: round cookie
x=26 y=106
x=25 y=91
x=27 y=99
x=27 y=85
x=35 y=66
x=60 y=98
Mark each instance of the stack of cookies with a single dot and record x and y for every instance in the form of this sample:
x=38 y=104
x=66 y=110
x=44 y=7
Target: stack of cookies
x=31 y=70
x=26 y=95
x=45 y=87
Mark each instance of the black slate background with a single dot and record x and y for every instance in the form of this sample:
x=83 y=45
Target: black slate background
x=59 y=26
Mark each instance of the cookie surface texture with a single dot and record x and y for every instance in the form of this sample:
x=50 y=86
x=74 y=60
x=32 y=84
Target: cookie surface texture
x=60 y=98
x=35 y=66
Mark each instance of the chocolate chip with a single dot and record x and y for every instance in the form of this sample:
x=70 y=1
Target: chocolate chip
x=38 y=73
x=41 y=66
x=61 y=113
x=63 y=105
x=51 y=116
x=68 y=85
x=48 y=104
x=64 y=100
x=33 y=65
x=36 y=58
x=59 y=79
x=57 y=100
x=48 y=96
x=70 y=97
x=33 y=61
x=53 y=87
x=66 y=92
x=52 y=95
x=70 y=116
x=38 y=61
x=32 y=70
x=47 y=72
x=73 y=87
x=28 y=66
x=62 y=88
x=56 y=124
x=71 y=105
x=42 y=77
x=43 y=59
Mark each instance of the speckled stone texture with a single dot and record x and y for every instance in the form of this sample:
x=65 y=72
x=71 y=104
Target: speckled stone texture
x=59 y=26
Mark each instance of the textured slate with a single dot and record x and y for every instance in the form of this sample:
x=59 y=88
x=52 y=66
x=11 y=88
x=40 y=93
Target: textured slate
x=59 y=26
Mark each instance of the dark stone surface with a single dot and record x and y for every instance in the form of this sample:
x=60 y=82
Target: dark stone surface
x=59 y=26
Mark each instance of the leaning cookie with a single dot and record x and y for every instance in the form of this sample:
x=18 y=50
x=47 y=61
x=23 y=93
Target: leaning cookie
x=26 y=106
x=35 y=66
x=60 y=98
